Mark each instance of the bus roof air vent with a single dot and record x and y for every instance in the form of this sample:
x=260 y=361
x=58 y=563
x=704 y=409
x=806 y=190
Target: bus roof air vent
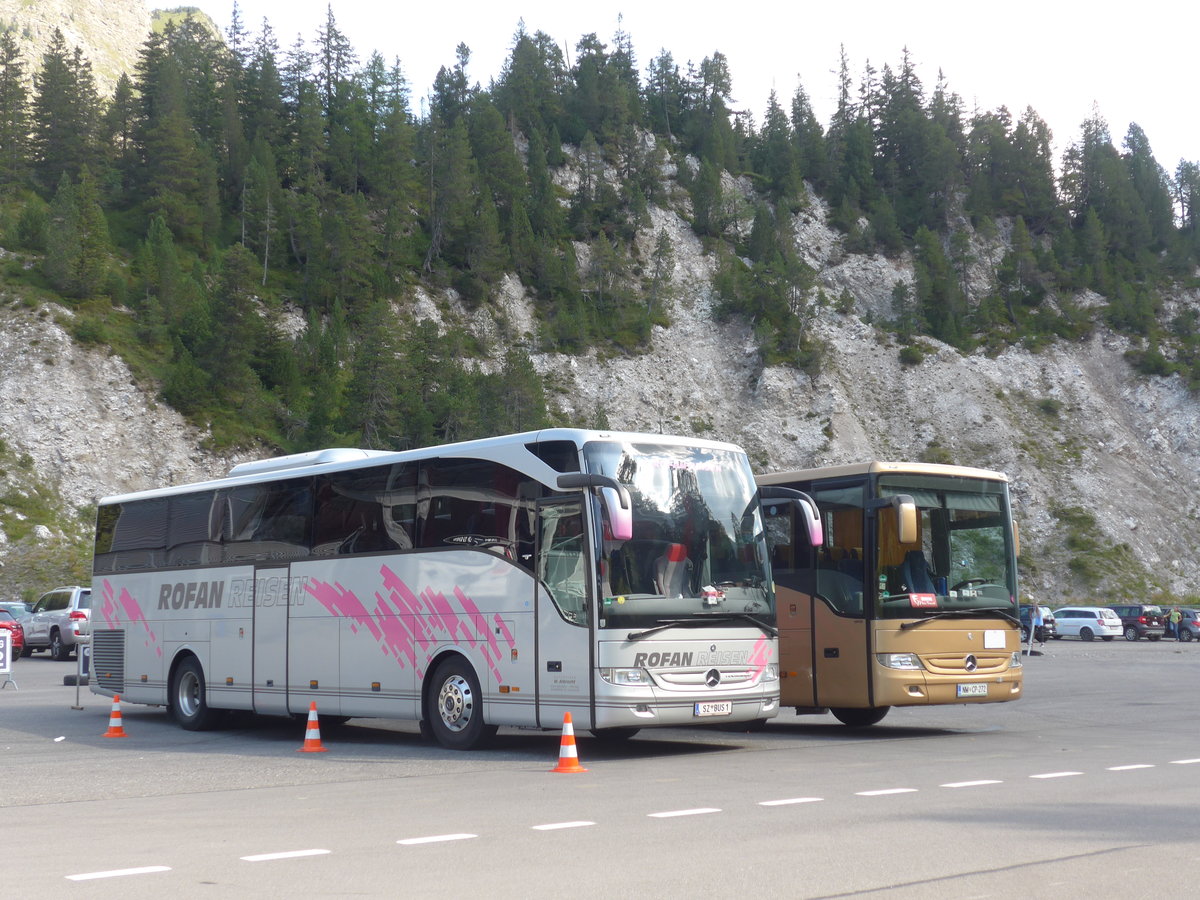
x=302 y=460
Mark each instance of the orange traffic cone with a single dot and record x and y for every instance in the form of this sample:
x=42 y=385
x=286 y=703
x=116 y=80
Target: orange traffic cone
x=115 y=728
x=568 y=758
x=312 y=737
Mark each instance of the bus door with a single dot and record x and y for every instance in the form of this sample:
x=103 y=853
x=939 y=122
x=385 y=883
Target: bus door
x=562 y=602
x=270 y=640
x=840 y=624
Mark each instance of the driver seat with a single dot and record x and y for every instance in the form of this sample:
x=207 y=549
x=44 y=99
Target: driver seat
x=915 y=573
x=671 y=571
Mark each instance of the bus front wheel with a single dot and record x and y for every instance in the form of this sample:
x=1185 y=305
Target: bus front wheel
x=189 y=704
x=456 y=707
x=859 y=718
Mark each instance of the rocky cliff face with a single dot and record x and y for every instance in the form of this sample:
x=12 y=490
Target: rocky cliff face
x=109 y=33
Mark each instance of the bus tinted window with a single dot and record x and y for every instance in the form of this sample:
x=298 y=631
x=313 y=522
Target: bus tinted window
x=268 y=521
x=476 y=503
x=193 y=529
x=365 y=510
x=131 y=535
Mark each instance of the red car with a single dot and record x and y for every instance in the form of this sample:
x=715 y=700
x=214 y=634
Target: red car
x=10 y=624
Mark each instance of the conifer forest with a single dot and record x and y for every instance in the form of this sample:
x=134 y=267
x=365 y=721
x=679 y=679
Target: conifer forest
x=229 y=182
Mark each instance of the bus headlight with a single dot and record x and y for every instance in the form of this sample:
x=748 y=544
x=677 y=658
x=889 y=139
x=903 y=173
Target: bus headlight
x=1017 y=662
x=771 y=672
x=625 y=676
x=907 y=661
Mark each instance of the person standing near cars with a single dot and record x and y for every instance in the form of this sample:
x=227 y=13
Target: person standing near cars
x=1173 y=621
x=1035 y=625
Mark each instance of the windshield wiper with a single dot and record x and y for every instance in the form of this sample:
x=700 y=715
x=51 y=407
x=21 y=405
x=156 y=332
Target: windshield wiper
x=698 y=621
x=952 y=613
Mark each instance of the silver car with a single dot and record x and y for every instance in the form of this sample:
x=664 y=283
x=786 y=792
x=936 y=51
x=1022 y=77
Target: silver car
x=59 y=620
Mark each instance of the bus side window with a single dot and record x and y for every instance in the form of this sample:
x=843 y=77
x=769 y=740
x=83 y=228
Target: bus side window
x=356 y=510
x=478 y=504
x=138 y=536
x=269 y=521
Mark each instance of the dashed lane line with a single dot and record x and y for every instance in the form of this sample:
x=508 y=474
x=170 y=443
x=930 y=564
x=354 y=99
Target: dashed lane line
x=435 y=839
x=979 y=783
x=790 y=801
x=1183 y=762
x=117 y=873
x=885 y=792
x=1130 y=767
x=1056 y=775
x=286 y=854
x=556 y=826
x=702 y=811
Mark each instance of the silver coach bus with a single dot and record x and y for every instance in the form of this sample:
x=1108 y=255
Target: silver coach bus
x=623 y=578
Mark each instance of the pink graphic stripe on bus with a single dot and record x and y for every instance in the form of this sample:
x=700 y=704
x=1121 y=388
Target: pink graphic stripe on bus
x=407 y=625
x=760 y=656
x=125 y=612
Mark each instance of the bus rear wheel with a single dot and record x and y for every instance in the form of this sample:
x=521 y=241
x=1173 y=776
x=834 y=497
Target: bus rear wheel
x=859 y=718
x=189 y=704
x=456 y=707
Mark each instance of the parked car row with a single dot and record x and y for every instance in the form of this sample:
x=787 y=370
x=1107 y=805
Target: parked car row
x=1133 y=621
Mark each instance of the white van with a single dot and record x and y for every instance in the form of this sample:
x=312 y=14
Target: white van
x=1088 y=622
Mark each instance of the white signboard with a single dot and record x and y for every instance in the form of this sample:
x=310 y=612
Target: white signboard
x=5 y=653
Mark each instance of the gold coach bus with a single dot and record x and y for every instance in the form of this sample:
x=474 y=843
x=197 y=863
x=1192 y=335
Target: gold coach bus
x=911 y=596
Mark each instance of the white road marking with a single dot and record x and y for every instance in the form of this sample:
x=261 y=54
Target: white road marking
x=437 y=838
x=557 y=825
x=884 y=793
x=1184 y=762
x=116 y=873
x=683 y=812
x=1055 y=774
x=791 y=801
x=286 y=854
x=958 y=784
x=1127 y=768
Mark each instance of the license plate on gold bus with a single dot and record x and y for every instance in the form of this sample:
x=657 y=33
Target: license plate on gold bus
x=720 y=708
x=972 y=690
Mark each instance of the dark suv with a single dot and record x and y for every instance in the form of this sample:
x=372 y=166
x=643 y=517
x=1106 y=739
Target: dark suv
x=1140 y=620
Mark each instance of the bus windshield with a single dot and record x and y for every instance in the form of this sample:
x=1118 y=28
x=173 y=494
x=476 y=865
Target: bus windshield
x=698 y=547
x=964 y=558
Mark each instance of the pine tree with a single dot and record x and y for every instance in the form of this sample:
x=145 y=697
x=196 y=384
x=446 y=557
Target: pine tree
x=14 y=114
x=91 y=267
x=65 y=110
x=62 y=238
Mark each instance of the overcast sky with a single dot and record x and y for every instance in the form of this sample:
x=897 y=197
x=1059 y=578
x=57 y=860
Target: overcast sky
x=1133 y=63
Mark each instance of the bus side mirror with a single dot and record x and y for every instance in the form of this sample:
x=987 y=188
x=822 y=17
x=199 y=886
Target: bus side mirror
x=906 y=518
x=804 y=507
x=614 y=497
